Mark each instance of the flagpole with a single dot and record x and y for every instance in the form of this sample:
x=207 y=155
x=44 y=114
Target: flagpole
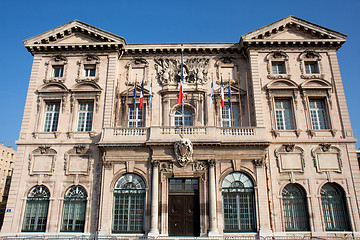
x=182 y=82
x=247 y=95
x=150 y=99
x=229 y=103
x=240 y=111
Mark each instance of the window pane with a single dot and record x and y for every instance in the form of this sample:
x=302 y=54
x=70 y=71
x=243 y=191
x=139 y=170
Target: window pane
x=89 y=70
x=318 y=114
x=278 y=68
x=58 y=71
x=334 y=208
x=311 y=68
x=230 y=118
x=51 y=117
x=187 y=116
x=85 y=116
x=238 y=203
x=283 y=115
x=135 y=117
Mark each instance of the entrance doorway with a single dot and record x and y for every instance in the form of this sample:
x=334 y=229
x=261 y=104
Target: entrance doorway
x=184 y=210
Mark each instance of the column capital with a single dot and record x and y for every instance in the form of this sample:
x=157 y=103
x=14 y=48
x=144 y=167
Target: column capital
x=258 y=162
x=212 y=162
x=155 y=163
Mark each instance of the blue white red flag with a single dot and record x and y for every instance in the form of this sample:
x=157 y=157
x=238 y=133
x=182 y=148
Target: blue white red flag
x=150 y=96
x=134 y=96
x=211 y=93
x=229 y=95
x=142 y=95
x=222 y=94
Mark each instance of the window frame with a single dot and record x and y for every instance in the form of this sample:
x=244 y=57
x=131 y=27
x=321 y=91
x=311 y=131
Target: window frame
x=132 y=188
x=60 y=73
x=234 y=120
x=77 y=201
x=291 y=114
x=325 y=113
x=90 y=70
x=88 y=123
x=309 y=67
x=186 y=117
x=274 y=57
x=276 y=65
x=40 y=201
x=136 y=120
x=52 y=113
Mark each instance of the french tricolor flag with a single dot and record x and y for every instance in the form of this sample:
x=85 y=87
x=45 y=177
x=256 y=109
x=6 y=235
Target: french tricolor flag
x=222 y=94
x=142 y=95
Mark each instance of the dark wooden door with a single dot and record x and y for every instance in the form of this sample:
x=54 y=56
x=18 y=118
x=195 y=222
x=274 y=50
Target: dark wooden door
x=184 y=215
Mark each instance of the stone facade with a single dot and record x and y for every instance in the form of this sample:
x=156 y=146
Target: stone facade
x=7 y=160
x=284 y=147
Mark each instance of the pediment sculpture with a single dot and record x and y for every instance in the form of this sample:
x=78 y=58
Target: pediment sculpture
x=183 y=151
x=168 y=71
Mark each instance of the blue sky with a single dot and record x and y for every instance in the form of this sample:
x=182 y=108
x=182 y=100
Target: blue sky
x=143 y=21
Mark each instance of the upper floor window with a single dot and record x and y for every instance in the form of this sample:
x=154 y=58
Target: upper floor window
x=283 y=114
x=58 y=71
x=183 y=118
x=278 y=67
x=85 y=116
x=36 y=211
x=51 y=117
x=89 y=70
x=230 y=116
x=136 y=116
x=318 y=114
x=312 y=67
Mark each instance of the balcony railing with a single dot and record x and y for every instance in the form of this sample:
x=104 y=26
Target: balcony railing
x=165 y=134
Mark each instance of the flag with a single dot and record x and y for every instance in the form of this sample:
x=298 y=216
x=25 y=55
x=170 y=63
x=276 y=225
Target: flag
x=134 y=96
x=181 y=93
x=211 y=92
x=222 y=94
x=229 y=95
x=142 y=95
x=150 y=95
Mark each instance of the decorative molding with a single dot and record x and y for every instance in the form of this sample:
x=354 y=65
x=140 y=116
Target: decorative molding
x=77 y=160
x=183 y=151
x=327 y=158
x=138 y=63
x=199 y=166
x=258 y=162
x=42 y=160
x=168 y=70
x=290 y=158
x=56 y=60
x=166 y=167
x=88 y=59
x=212 y=162
x=227 y=62
x=309 y=55
x=277 y=56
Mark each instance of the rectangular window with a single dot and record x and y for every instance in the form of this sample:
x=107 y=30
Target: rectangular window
x=89 y=70
x=230 y=118
x=58 y=71
x=85 y=116
x=278 y=68
x=283 y=114
x=312 y=68
x=135 y=117
x=51 y=117
x=318 y=114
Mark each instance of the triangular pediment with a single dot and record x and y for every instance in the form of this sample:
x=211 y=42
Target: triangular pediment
x=293 y=29
x=74 y=32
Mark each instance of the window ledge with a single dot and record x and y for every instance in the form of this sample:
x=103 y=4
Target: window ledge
x=285 y=133
x=87 y=79
x=322 y=132
x=45 y=135
x=54 y=79
x=279 y=76
x=87 y=134
x=313 y=76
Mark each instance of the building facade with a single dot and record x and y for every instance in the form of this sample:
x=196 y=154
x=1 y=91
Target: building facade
x=261 y=143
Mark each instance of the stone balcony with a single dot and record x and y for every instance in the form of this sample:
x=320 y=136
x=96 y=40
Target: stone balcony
x=199 y=135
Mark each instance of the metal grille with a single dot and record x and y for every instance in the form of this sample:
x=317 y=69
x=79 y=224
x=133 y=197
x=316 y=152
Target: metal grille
x=295 y=210
x=128 y=212
x=238 y=203
x=36 y=210
x=334 y=209
x=129 y=204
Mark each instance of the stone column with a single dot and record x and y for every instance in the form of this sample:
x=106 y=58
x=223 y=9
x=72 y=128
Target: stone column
x=212 y=200
x=154 y=228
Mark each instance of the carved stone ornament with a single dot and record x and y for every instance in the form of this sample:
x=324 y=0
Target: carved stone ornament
x=166 y=167
x=168 y=71
x=200 y=166
x=183 y=151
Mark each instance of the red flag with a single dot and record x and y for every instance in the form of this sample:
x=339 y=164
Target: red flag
x=142 y=95
x=181 y=93
x=222 y=94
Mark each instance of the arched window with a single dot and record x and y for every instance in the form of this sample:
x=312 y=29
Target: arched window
x=129 y=204
x=334 y=208
x=37 y=206
x=74 y=209
x=188 y=117
x=238 y=203
x=295 y=210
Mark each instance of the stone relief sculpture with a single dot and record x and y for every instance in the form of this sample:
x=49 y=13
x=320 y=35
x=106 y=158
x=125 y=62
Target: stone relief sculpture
x=183 y=151
x=168 y=71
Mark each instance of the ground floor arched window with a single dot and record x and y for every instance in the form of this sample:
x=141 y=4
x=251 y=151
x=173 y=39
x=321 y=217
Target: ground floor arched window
x=36 y=211
x=295 y=209
x=334 y=208
x=238 y=203
x=129 y=204
x=74 y=210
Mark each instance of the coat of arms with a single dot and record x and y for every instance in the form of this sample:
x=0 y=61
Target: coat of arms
x=183 y=151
